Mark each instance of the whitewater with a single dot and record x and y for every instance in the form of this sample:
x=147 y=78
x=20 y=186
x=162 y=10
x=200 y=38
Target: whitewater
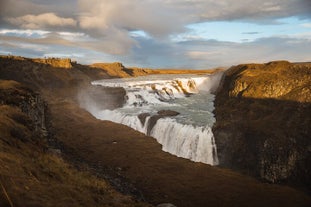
x=177 y=110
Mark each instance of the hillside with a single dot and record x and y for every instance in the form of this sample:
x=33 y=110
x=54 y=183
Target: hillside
x=263 y=121
x=32 y=171
x=74 y=154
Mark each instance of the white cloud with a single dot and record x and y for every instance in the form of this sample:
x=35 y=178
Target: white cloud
x=307 y=25
x=202 y=55
x=112 y=22
x=24 y=33
x=41 y=21
x=152 y=17
x=302 y=36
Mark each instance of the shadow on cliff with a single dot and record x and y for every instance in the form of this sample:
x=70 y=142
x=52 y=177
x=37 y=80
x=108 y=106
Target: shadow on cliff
x=266 y=138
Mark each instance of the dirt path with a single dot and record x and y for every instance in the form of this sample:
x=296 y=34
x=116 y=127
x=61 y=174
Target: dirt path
x=160 y=176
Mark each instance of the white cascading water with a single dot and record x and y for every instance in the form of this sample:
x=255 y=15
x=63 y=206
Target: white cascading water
x=187 y=134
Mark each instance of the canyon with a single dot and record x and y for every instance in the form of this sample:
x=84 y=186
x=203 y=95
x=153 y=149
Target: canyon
x=48 y=142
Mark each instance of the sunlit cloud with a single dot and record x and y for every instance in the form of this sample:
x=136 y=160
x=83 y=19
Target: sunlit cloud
x=41 y=21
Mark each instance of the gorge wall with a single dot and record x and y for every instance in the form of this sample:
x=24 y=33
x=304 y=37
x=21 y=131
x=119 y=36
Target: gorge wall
x=263 y=121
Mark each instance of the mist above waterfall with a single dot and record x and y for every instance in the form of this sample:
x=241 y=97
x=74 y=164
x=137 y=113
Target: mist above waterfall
x=184 y=129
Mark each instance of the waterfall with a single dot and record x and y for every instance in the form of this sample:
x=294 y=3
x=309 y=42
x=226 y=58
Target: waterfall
x=185 y=134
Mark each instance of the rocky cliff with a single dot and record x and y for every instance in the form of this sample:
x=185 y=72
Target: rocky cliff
x=14 y=94
x=54 y=62
x=263 y=121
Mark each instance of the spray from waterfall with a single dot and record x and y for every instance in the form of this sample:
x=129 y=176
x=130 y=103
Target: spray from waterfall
x=175 y=110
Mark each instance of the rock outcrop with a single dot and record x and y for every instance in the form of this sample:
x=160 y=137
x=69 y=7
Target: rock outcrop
x=15 y=94
x=54 y=62
x=114 y=69
x=263 y=122
x=155 y=117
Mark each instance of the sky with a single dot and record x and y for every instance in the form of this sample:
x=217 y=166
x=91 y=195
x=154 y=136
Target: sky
x=197 y=34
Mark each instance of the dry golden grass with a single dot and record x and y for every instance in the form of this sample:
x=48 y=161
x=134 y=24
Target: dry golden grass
x=118 y=70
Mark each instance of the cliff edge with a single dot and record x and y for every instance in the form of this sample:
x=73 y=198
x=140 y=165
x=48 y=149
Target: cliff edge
x=263 y=121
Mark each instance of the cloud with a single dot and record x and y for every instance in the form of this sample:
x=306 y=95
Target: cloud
x=195 y=54
x=263 y=11
x=113 y=21
x=16 y=8
x=153 y=17
x=69 y=39
x=307 y=25
x=23 y=33
x=202 y=55
x=41 y=21
x=107 y=28
x=261 y=50
x=251 y=33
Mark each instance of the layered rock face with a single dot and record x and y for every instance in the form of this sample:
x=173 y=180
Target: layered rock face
x=263 y=121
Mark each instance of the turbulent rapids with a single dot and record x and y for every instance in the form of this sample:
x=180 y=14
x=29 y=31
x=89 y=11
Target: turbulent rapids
x=174 y=109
